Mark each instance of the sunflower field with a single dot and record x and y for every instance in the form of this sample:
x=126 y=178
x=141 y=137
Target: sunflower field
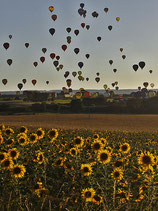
x=77 y=170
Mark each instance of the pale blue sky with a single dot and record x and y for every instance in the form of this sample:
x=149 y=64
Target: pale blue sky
x=30 y=21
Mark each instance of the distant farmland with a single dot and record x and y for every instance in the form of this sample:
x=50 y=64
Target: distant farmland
x=85 y=121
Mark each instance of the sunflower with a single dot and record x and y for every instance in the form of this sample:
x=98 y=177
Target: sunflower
x=3 y=156
x=23 y=129
x=18 y=171
x=87 y=194
x=21 y=134
x=146 y=159
x=97 y=146
x=22 y=140
x=118 y=164
x=33 y=138
x=96 y=136
x=117 y=174
x=88 y=139
x=1 y=139
x=59 y=161
x=9 y=131
x=104 y=156
x=52 y=134
x=103 y=141
x=7 y=163
x=86 y=169
x=97 y=199
x=9 y=142
x=2 y=127
x=123 y=196
x=13 y=153
x=78 y=141
x=38 y=186
x=125 y=148
x=40 y=133
x=73 y=151
x=40 y=157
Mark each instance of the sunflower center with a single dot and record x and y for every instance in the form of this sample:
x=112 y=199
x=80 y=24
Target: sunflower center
x=116 y=174
x=97 y=146
x=103 y=156
x=9 y=141
x=17 y=170
x=8 y=132
x=13 y=153
x=73 y=151
x=52 y=133
x=22 y=140
x=39 y=133
x=88 y=194
x=146 y=159
x=78 y=141
x=22 y=130
x=124 y=147
x=86 y=169
x=33 y=138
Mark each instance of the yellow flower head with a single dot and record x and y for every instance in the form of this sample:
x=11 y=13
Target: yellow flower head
x=13 y=153
x=18 y=171
x=87 y=194
x=40 y=133
x=52 y=134
x=97 y=146
x=117 y=174
x=104 y=156
x=86 y=169
x=78 y=141
x=146 y=159
x=125 y=148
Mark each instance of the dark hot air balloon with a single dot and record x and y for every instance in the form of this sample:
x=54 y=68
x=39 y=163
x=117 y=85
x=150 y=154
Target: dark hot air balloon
x=80 y=64
x=4 y=81
x=6 y=45
x=76 y=50
x=34 y=82
x=135 y=67
x=44 y=50
x=64 y=47
x=52 y=55
x=24 y=81
x=76 y=32
x=35 y=64
x=9 y=61
x=54 y=17
x=27 y=45
x=110 y=27
x=20 y=86
x=52 y=31
x=42 y=59
x=141 y=64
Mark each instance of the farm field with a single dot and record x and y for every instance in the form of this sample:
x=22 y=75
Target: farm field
x=85 y=121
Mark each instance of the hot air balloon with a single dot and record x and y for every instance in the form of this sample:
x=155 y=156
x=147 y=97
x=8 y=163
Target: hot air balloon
x=116 y=83
x=64 y=47
x=141 y=64
x=87 y=79
x=110 y=62
x=106 y=10
x=150 y=71
x=34 y=82
x=52 y=31
x=97 y=74
x=80 y=64
x=79 y=72
x=52 y=55
x=83 y=25
x=121 y=49
x=68 y=38
x=35 y=64
x=117 y=88
x=9 y=61
x=42 y=59
x=74 y=74
x=123 y=56
x=97 y=79
x=135 y=67
x=76 y=32
x=24 y=81
x=20 y=86
x=105 y=86
x=80 y=78
x=145 y=84
x=87 y=56
x=51 y=8
x=61 y=66
x=44 y=50
x=110 y=27
x=118 y=19
x=139 y=88
x=87 y=27
x=55 y=63
x=81 y=11
x=99 y=39
x=68 y=29
x=27 y=45
x=57 y=57
x=54 y=17
x=57 y=68
x=6 y=45
x=4 y=81
x=152 y=85
x=66 y=74
x=68 y=81
x=113 y=84
x=115 y=70
x=82 y=5
x=95 y=14
x=10 y=36
x=76 y=50
x=47 y=82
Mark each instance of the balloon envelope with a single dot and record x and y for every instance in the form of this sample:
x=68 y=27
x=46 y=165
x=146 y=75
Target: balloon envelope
x=6 y=45
x=9 y=61
x=135 y=67
x=34 y=82
x=4 y=81
x=80 y=64
x=20 y=86
x=141 y=64
x=52 y=31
